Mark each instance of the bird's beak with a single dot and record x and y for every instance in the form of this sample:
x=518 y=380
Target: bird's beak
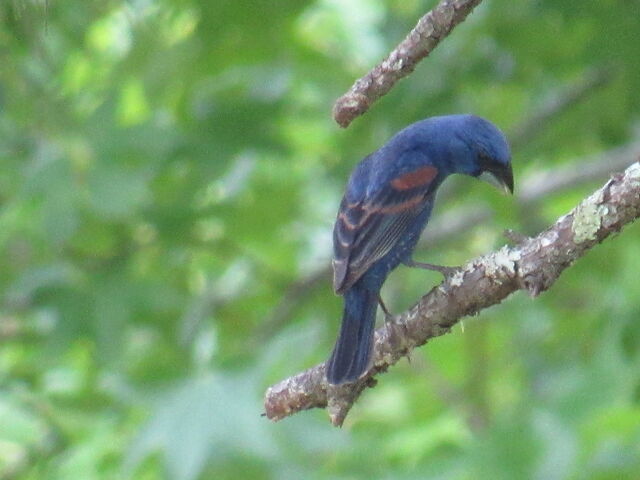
x=501 y=178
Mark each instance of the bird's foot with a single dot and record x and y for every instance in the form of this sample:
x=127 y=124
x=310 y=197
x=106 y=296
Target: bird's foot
x=388 y=317
x=445 y=271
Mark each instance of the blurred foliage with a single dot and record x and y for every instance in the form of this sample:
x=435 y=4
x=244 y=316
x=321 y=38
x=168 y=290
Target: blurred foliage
x=170 y=168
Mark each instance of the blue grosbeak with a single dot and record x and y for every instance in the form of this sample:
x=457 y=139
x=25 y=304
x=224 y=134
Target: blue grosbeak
x=386 y=206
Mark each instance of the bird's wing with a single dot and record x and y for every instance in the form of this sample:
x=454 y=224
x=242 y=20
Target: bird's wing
x=367 y=229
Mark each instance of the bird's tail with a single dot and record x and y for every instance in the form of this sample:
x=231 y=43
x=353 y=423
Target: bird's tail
x=352 y=351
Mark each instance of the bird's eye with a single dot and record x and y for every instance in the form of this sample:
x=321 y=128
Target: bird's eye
x=484 y=160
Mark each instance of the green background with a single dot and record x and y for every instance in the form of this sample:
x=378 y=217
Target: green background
x=170 y=173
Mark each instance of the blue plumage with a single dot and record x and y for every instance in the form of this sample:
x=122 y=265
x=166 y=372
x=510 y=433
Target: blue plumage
x=387 y=204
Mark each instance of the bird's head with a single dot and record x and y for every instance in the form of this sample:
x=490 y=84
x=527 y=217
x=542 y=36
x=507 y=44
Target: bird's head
x=491 y=153
x=486 y=152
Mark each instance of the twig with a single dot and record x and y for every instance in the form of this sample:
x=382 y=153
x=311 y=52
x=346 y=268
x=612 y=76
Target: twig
x=533 y=265
x=544 y=183
x=10 y=327
x=291 y=298
x=570 y=95
x=565 y=97
x=427 y=34
x=52 y=442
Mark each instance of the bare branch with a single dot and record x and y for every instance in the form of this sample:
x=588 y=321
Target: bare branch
x=563 y=100
x=292 y=297
x=532 y=265
x=426 y=35
x=543 y=183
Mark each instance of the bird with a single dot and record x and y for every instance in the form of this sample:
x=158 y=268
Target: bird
x=387 y=203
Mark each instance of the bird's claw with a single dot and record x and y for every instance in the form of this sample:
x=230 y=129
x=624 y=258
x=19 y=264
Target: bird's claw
x=388 y=317
x=445 y=271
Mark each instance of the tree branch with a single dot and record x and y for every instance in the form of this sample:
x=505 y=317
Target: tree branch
x=532 y=265
x=561 y=101
x=545 y=182
x=426 y=35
